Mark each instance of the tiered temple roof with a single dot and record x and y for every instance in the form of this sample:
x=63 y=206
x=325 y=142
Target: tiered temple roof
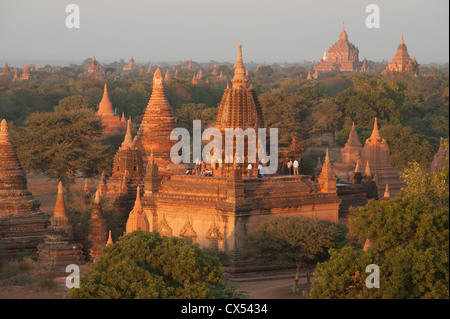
x=342 y=55
x=402 y=61
x=22 y=224
x=376 y=152
x=156 y=126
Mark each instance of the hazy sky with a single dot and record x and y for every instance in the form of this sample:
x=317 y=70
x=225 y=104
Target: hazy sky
x=173 y=30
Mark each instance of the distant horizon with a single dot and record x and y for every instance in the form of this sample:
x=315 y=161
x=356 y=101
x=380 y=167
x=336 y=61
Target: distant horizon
x=285 y=31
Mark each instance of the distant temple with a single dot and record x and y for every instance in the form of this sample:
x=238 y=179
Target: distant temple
x=26 y=75
x=130 y=66
x=110 y=120
x=402 y=61
x=341 y=56
x=94 y=68
x=376 y=155
x=5 y=70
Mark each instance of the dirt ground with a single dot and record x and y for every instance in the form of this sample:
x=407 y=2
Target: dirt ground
x=272 y=289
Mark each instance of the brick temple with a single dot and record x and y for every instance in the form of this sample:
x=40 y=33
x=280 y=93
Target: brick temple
x=22 y=224
x=112 y=122
x=402 y=61
x=342 y=56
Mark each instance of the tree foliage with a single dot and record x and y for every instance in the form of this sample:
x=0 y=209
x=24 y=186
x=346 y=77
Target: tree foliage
x=409 y=242
x=58 y=144
x=145 y=265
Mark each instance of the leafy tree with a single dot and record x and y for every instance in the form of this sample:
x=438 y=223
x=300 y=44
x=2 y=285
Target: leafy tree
x=309 y=92
x=299 y=241
x=145 y=265
x=75 y=102
x=58 y=144
x=406 y=146
x=409 y=242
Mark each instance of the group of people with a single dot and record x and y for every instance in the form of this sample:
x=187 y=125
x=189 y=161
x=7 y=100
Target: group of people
x=293 y=167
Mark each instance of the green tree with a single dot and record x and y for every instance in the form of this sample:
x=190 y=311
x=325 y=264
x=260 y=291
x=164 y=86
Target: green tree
x=409 y=242
x=299 y=241
x=145 y=265
x=58 y=144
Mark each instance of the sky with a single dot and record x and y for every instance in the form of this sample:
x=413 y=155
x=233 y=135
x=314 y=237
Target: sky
x=270 y=31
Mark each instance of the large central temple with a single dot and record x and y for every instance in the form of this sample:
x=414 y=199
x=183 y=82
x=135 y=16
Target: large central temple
x=218 y=211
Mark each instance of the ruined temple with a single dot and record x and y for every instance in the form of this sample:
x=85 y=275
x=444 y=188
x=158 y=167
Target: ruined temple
x=22 y=224
x=111 y=121
x=377 y=153
x=402 y=61
x=341 y=56
x=156 y=126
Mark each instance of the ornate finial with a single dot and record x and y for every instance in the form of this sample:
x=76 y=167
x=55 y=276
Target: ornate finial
x=327 y=157
x=402 y=41
x=367 y=172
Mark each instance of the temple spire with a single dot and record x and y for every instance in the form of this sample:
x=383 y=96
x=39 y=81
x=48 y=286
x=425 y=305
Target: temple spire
x=402 y=41
x=128 y=141
x=137 y=203
x=105 y=106
x=239 y=78
x=110 y=241
x=375 y=132
x=60 y=207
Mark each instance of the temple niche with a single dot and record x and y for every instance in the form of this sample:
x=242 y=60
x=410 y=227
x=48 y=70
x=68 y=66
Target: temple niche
x=218 y=211
x=402 y=61
x=22 y=224
x=341 y=56
x=112 y=122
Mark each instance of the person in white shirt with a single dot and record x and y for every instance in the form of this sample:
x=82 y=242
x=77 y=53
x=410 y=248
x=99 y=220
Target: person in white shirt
x=295 y=167
x=250 y=170
x=260 y=170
